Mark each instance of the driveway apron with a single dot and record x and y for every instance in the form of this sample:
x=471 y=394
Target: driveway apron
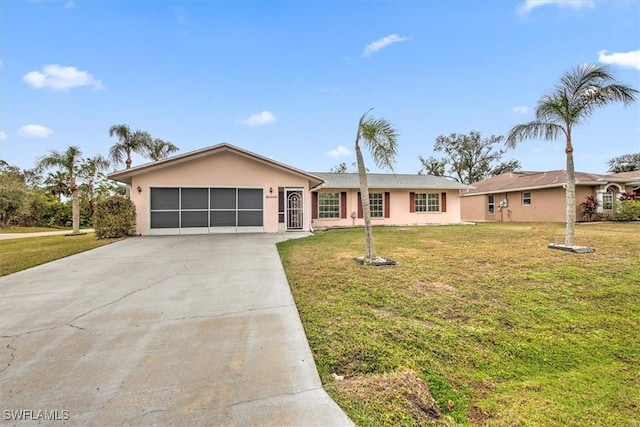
x=171 y=330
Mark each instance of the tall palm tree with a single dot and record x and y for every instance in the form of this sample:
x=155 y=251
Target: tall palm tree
x=128 y=142
x=68 y=162
x=380 y=138
x=160 y=149
x=580 y=92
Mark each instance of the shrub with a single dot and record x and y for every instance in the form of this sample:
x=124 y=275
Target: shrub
x=627 y=210
x=629 y=196
x=590 y=207
x=115 y=217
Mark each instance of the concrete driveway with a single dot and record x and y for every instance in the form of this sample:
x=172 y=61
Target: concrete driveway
x=174 y=330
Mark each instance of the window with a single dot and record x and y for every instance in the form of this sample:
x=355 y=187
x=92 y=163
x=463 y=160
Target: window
x=607 y=199
x=427 y=202
x=329 y=205
x=491 y=204
x=433 y=202
x=421 y=202
x=376 y=205
x=526 y=199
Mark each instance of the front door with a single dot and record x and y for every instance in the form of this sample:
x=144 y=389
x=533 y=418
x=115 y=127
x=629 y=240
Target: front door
x=294 y=209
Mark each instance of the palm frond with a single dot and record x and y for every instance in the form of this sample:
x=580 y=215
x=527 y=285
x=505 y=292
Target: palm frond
x=381 y=138
x=533 y=130
x=117 y=154
x=122 y=131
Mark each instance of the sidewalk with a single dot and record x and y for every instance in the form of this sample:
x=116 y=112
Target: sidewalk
x=8 y=236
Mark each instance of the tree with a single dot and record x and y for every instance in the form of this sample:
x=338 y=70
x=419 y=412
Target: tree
x=470 y=158
x=380 y=138
x=14 y=194
x=159 y=149
x=432 y=166
x=68 y=162
x=343 y=168
x=57 y=184
x=89 y=174
x=580 y=92
x=624 y=163
x=128 y=142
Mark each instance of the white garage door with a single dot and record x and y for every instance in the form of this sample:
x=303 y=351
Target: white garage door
x=197 y=210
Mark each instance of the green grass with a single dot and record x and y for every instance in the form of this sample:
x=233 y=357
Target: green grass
x=20 y=254
x=15 y=229
x=503 y=330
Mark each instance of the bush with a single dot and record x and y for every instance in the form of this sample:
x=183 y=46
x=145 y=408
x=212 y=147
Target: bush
x=590 y=207
x=627 y=210
x=115 y=217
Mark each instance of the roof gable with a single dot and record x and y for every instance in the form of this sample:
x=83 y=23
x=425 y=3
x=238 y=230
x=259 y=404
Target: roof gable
x=126 y=175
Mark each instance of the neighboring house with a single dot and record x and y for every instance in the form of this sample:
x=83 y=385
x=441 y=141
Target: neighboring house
x=225 y=189
x=394 y=200
x=540 y=196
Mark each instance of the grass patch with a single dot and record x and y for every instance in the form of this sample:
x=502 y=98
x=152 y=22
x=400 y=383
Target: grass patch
x=20 y=254
x=14 y=229
x=502 y=330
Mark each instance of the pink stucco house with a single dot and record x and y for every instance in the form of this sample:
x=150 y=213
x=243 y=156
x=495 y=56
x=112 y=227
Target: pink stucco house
x=225 y=189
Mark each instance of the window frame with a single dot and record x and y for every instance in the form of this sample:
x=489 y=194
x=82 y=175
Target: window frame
x=525 y=198
x=371 y=205
x=322 y=214
x=427 y=202
x=608 y=198
x=491 y=204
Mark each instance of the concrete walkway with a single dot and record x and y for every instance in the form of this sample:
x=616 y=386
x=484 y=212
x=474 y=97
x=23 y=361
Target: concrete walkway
x=175 y=330
x=7 y=236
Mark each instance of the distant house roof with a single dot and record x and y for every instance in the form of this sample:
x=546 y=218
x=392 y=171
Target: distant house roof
x=389 y=181
x=126 y=175
x=521 y=181
x=630 y=178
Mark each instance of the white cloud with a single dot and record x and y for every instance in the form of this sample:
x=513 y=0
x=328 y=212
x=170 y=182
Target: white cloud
x=341 y=151
x=623 y=59
x=529 y=5
x=523 y=109
x=382 y=43
x=3 y=136
x=34 y=131
x=260 y=119
x=59 y=78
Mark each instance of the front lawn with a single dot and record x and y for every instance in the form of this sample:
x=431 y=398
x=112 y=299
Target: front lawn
x=15 y=229
x=502 y=330
x=20 y=254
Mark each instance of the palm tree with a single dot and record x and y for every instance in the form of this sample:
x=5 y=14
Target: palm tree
x=128 y=142
x=69 y=163
x=580 y=92
x=89 y=172
x=380 y=137
x=57 y=184
x=160 y=149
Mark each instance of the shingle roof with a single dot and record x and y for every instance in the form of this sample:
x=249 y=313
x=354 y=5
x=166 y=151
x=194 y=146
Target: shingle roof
x=390 y=181
x=126 y=175
x=517 y=181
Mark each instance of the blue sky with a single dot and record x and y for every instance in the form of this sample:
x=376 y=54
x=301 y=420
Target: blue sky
x=290 y=79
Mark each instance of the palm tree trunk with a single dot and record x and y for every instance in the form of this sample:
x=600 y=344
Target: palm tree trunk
x=570 y=194
x=369 y=253
x=75 y=211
